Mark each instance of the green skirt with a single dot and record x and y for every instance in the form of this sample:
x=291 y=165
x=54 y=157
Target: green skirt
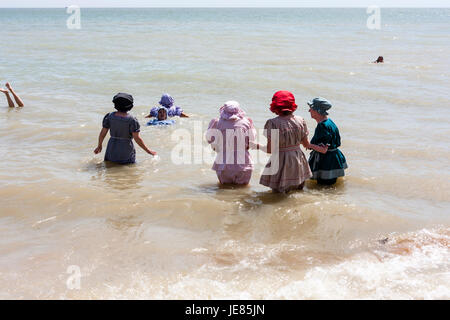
x=327 y=166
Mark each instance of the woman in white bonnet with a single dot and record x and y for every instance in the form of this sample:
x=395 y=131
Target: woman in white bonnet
x=231 y=136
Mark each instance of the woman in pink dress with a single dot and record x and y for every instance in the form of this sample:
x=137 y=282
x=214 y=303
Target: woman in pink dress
x=288 y=168
x=231 y=136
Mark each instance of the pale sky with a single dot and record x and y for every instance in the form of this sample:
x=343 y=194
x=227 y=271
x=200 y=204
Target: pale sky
x=222 y=3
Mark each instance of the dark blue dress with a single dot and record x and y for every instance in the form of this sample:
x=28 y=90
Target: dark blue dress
x=330 y=165
x=120 y=146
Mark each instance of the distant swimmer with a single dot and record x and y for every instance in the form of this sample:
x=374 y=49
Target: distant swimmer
x=379 y=60
x=16 y=97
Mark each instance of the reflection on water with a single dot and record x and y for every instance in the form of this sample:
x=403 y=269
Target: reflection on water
x=124 y=223
x=338 y=186
x=117 y=176
x=254 y=202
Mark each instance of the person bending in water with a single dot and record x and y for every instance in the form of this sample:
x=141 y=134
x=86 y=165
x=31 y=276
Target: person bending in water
x=329 y=164
x=172 y=111
x=161 y=118
x=16 y=97
x=124 y=128
x=231 y=136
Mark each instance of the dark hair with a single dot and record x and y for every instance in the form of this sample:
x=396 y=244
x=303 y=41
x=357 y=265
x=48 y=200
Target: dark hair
x=122 y=105
x=286 y=113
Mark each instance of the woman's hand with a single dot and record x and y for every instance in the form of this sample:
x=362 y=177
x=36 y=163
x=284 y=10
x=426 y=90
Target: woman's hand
x=325 y=149
x=101 y=137
x=321 y=148
x=140 y=142
x=254 y=146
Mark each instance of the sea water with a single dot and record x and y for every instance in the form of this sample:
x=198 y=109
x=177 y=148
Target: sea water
x=74 y=227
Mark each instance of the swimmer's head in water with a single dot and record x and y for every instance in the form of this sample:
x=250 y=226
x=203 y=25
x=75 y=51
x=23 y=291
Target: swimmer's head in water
x=162 y=114
x=380 y=59
x=123 y=102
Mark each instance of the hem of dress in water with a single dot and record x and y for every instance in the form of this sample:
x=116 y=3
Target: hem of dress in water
x=286 y=179
x=121 y=162
x=329 y=174
x=288 y=187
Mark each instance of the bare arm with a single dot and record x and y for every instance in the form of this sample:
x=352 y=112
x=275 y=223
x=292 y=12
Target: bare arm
x=320 y=149
x=307 y=145
x=16 y=97
x=184 y=115
x=140 y=142
x=101 y=137
x=267 y=149
x=10 y=102
x=305 y=142
x=152 y=110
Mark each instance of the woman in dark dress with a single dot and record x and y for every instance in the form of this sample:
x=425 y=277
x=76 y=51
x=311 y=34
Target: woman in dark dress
x=123 y=128
x=326 y=166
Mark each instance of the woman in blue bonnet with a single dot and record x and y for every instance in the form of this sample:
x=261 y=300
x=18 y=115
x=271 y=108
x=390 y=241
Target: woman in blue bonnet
x=326 y=166
x=168 y=103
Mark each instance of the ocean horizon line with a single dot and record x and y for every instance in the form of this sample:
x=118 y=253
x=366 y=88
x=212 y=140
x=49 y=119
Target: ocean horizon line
x=243 y=7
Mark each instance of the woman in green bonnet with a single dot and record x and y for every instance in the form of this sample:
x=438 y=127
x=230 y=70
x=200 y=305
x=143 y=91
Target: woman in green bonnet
x=326 y=167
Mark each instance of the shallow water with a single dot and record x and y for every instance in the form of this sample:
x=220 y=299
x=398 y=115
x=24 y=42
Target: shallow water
x=161 y=230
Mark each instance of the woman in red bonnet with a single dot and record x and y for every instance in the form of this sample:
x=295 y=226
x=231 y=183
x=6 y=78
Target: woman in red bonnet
x=287 y=168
